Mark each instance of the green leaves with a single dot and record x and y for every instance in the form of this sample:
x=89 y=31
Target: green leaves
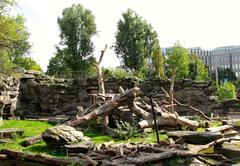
x=226 y=91
x=77 y=27
x=178 y=59
x=135 y=41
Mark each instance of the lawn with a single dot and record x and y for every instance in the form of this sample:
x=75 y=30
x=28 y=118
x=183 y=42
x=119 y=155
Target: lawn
x=32 y=128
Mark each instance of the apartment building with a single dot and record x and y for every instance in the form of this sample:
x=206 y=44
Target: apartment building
x=220 y=57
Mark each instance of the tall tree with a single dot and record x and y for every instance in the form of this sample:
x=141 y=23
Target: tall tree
x=178 y=61
x=135 y=41
x=77 y=27
x=158 y=62
x=197 y=69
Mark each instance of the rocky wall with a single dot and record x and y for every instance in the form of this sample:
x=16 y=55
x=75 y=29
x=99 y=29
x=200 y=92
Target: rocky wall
x=43 y=96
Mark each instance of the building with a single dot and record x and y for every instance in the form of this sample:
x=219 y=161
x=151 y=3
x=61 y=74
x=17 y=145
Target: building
x=220 y=57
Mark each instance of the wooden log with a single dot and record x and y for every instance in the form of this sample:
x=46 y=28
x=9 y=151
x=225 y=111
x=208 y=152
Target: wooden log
x=11 y=132
x=155 y=157
x=107 y=107
x=37 y=158
x=220 y=128
x=194 y=137
x=32 y=140
x=213 y=143
x=168 y=119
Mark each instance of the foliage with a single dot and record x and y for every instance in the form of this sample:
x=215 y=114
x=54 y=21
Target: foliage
x=6 y=5
x=59 y=65
x=178 y=59
x=27 y=63
x=6 y=65
x=135 y=41
x=197 y=69
x=224 y=74
x=77 y=27
x=226 y=91
x=158 y=62
x=13 y=36
x=116 y=72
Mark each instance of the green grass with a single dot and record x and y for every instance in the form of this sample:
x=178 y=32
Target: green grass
x=32 y=128
x=98 y=138
x=215 y=123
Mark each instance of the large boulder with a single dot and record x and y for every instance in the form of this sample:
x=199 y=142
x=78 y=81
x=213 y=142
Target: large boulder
x=60 y=136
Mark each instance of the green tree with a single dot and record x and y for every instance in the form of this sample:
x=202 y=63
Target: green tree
x=158 y=62
x=226 y=91
x=197 y=69
x=27 y=63
x=14 y=36
x=6 y=65
x=6 y=5
x=135 y=41
x=178 y=60
x=77 y=27
x=224 y=74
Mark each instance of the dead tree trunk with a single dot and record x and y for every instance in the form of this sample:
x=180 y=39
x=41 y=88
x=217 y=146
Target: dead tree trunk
x=106 y=108
x=101 y=88
x=128 y=98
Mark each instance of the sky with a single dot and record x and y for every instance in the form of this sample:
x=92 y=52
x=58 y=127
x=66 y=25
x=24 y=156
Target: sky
x=195 y=23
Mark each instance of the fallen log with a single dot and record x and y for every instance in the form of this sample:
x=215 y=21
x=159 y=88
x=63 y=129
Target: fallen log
x=106 y=108
x=155 y=157
x=194 y=137
x=169 y=119
x=32 y=140
x=213 y=143
x=220 y=128
x=128 y=98
x=39 y=158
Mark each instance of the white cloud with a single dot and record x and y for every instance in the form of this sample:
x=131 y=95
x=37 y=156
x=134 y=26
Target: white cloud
x=205 y=23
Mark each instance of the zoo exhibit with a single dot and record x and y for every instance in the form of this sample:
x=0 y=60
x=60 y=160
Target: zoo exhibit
x=159 y=107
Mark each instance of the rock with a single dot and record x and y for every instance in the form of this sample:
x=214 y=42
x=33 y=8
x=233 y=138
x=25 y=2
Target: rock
x=230 y=150
x=11 y=132
x=27 y=76
x=82 y=147
x=59 y=136
x=33 y=72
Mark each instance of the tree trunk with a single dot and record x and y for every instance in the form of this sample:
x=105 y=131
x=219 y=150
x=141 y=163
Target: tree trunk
x=106 y=108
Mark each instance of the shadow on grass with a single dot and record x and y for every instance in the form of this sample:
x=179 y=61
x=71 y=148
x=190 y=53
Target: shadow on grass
x=43 y=149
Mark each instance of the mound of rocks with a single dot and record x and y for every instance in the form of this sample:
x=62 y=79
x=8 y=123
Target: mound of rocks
x=68 y=138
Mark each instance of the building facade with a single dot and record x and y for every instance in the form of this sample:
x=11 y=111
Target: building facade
x=227 y=57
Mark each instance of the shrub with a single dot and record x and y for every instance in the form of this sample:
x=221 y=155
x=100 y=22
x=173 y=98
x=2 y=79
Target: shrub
x=116 y=72
x=226 y=91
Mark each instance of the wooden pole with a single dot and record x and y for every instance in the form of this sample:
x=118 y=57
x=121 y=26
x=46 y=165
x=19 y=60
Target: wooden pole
x=154 y=118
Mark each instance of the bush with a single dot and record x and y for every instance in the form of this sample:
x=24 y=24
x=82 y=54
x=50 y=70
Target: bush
x=118 y=73
x=226 y=91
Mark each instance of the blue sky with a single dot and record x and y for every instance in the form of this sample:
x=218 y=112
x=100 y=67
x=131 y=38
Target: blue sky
x=195 y=23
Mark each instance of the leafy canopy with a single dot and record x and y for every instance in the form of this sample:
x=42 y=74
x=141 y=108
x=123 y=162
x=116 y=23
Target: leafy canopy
x=77 y=27
x=158 y=62
x=135 y=41
x=178 y=60
x=226 y=91
x=197 y=69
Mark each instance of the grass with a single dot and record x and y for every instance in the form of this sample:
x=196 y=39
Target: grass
x=99 y=138
x=32 y=128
